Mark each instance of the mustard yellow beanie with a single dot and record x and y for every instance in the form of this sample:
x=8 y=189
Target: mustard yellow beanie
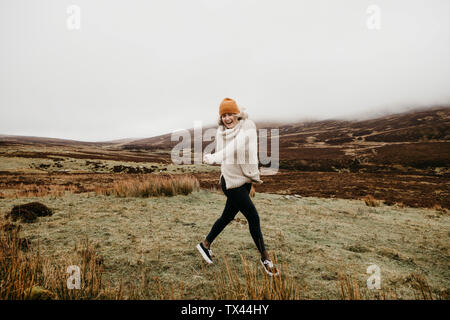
x=228 y=105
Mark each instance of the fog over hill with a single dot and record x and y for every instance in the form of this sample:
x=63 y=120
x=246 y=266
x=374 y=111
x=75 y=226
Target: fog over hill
x=143 y=69
x=420 y=125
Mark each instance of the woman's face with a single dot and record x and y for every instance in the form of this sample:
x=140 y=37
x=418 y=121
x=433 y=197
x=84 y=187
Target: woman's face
x=229 y=120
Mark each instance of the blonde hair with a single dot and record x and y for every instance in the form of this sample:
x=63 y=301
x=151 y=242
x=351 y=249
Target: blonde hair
x=240 y=116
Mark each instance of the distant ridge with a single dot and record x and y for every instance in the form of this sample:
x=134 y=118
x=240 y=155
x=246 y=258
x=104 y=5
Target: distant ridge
x=340 y=128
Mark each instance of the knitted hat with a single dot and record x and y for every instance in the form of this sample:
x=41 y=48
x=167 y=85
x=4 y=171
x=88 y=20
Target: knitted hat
x=228 y=106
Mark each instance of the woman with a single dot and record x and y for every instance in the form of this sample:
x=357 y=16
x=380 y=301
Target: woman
x=236 y=177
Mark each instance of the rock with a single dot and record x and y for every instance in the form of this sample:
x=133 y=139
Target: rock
x=117 y=169
x=39 y=209
x=29 y=212
x=125 y=169
x=23 y=215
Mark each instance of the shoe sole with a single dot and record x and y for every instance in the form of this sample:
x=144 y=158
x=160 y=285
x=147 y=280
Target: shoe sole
x=199 y=248
x=268 y=272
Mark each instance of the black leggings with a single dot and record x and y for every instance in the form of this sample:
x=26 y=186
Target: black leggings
x=238 y=199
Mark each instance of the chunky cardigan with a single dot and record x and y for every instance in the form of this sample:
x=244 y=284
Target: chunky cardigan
x=237 y=152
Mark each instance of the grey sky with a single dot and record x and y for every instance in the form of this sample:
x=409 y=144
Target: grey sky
x=143 y=68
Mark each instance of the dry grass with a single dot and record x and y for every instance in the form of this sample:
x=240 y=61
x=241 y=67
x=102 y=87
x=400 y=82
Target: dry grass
x=423 y=290
x=151 y=186
x=38 y=191
x=439 y=208
x=371 y=201
x=144 y=248
x=135 y=185
x=349 y=289
x=31 y=274
x=253 y=283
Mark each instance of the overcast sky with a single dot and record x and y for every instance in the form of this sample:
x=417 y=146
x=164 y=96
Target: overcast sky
x=144 y=68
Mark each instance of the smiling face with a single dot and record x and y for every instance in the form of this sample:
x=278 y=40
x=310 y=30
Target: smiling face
x=229 y=120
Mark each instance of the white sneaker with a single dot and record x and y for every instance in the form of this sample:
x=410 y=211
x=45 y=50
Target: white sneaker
x=269 y=267
x=206 y=253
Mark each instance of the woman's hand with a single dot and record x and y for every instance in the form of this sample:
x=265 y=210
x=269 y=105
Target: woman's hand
x=208 y=159
x=259 y=181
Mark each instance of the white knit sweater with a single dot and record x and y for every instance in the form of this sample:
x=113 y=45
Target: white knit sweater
x=237 y=152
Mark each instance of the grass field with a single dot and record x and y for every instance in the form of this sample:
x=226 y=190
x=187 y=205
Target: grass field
x=321 y=245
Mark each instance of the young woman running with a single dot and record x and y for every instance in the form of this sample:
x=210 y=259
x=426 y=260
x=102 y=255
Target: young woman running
x=236 y=138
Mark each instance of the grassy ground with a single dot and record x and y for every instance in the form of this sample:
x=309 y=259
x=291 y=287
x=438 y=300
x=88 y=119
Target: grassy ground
x=316 y=239
x=71 y=165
